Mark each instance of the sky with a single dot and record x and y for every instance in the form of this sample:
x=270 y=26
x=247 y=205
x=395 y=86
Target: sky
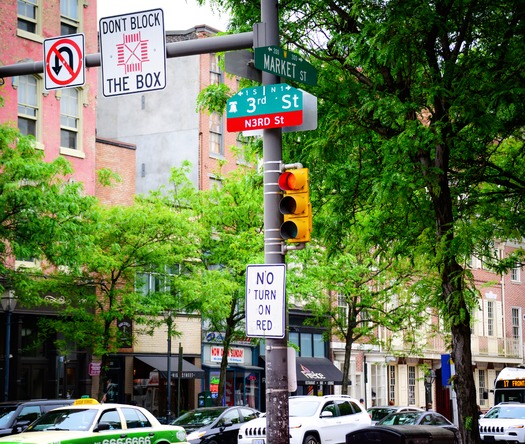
x=178 y=14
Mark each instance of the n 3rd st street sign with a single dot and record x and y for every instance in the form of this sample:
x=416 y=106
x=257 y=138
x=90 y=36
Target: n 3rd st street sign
x=263 y=107
x=285 y=64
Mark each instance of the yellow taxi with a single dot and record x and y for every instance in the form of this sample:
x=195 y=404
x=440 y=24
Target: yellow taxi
x=89 y=422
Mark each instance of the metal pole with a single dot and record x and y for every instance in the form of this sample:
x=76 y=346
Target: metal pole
x=276 y=349
x=168 y=376
x=7 y=353
x=179 y=374
x=174 y=49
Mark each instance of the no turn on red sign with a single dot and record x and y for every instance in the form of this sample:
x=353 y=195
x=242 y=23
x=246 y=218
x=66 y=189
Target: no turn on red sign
x=64 y=62
x=133 y=52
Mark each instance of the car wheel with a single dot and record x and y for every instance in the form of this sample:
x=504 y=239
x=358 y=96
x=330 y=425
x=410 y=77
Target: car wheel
x=311 y=439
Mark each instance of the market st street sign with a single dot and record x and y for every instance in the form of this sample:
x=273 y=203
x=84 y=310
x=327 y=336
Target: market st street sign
x=285 y=64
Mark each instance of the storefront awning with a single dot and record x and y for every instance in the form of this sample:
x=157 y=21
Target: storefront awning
x=189 y=371
x=312 y=371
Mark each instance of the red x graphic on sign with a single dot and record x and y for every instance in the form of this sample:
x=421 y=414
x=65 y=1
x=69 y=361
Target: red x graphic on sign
x=132 y=52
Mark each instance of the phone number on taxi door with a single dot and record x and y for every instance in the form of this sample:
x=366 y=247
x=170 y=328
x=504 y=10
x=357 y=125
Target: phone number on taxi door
x=136 y=440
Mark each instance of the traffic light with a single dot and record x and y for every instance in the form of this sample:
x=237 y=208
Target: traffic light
x=295 y=205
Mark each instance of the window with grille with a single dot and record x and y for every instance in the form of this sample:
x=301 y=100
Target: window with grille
x=411 y=385
x=391 y=383
x=516 y=337
x=515 y=274
x=69 y=17
x=482 y=386
x=342 y=308
x=490 y=318
x=69 y=118
x=28 y=12
x=28 y=105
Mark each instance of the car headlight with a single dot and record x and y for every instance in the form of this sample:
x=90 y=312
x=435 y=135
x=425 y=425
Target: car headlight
x=181 y=435
x=195 y=435
x=296 y=426
x=516 y=426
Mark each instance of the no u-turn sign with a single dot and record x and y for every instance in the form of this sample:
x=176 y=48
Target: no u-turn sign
x=64 y=62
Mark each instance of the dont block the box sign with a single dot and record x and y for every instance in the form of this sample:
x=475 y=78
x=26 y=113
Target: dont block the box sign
x=133 y=53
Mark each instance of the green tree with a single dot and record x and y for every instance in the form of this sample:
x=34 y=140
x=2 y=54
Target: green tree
x=355 y=290
x=44 y=216
x=150 y=237
x=421 y=117
x=231 y=216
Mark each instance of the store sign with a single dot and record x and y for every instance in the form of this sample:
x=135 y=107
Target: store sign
x=235 y=355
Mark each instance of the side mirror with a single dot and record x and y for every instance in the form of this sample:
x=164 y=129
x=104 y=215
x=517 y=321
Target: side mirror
x=227 y=423
x=326 y=414
x=102 y=426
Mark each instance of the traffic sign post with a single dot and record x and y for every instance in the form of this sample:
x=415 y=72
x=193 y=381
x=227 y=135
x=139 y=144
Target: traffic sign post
x=265 y=301
x=285 y=64
x=263 y=107
x=133 y=53
x=64 y=62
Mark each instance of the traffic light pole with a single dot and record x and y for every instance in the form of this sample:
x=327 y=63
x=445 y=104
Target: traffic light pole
x=276 y=349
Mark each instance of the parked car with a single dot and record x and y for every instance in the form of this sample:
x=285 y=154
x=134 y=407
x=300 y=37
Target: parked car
x=88 y=421
x=313 y=420
x=215 y=425
x=378 y=413
x=424 y=418
x=503 y=422
x=15 y=416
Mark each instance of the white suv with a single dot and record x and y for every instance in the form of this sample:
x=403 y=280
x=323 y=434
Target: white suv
x=503 y=422
x=313 y=420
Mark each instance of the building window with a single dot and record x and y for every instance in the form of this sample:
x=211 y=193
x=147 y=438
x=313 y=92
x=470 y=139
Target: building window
x=28 y=16
x=215 y=183
x=391 y=383
x=148 y=283
x=515 y=274
x=411 y=385
x=481 y=386
x=311 y=345
x=490 y=318
x=215 y=70
x=216 y=146
x=342 y=309
x=69 y=17
x=69 y=118
x=516 y=331
x=28 y=110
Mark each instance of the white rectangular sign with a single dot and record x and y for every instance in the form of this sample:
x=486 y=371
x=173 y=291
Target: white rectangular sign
x=265 y=301
x=133 y=52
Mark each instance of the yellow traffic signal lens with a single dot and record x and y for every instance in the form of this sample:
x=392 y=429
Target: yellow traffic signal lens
x=293 y=204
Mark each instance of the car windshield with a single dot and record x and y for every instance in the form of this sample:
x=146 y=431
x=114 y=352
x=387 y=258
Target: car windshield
x=408 y=418
x=6 y=413
x=302 y=407
x=199 y=417
x=506 y=413
x=77 y=419
x=379 y=413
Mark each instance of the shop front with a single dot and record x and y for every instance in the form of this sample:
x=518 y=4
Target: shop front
x=243 y=379
x=316 y=376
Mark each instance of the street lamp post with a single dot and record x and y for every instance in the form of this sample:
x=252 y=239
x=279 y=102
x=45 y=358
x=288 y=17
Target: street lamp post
x=8 y=305
x=429 y=380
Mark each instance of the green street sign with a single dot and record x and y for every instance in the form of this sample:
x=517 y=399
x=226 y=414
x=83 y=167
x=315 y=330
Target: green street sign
x=262 y=107
x=285 y=64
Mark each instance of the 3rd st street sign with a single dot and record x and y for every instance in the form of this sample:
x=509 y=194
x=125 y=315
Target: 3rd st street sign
x=263 y=107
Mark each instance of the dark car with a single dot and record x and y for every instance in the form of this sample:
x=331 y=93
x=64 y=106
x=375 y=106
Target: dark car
x=215 y=425
x=378 y=413
x=423 y=418
x=15 y=416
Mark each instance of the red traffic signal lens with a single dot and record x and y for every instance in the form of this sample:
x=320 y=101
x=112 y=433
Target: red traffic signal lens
x=293 y=180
